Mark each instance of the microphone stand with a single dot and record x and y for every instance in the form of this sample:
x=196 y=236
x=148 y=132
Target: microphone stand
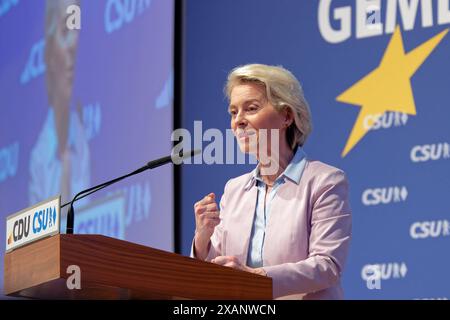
x=150 y=165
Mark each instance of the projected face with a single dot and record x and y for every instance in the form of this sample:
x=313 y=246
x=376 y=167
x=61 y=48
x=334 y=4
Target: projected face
x=60 y=51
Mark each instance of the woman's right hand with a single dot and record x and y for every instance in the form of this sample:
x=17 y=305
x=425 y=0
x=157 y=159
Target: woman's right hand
x=206 y=219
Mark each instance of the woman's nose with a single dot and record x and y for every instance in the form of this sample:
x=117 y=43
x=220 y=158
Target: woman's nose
x=240 y=120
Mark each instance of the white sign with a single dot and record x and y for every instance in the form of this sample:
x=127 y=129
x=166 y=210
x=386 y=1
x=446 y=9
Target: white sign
x=36 y=222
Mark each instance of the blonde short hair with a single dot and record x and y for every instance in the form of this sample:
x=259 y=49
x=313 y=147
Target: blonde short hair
x=282 y=90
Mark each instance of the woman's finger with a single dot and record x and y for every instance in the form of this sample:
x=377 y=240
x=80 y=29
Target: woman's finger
x=222 y=260
x=211 y=215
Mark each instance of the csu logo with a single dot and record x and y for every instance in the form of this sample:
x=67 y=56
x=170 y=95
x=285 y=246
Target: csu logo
x=384 y=271
x=372 y=197
x=385 y=121
x=428 y=152
x=35 y=65
x=119 y=12
x=426 y=229
x=38 y=222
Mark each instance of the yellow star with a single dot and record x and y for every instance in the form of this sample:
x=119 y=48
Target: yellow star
x=388 y=87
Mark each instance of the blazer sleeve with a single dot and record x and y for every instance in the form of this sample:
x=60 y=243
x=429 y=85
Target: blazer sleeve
x=328 y=241
x=215 y=248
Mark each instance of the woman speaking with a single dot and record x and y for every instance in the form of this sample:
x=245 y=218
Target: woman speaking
x=288 y=219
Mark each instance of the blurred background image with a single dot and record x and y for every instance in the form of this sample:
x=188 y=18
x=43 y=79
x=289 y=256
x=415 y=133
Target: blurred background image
x=80 y=107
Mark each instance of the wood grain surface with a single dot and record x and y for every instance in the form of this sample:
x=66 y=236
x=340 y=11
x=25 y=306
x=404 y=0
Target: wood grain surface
x=117 y=269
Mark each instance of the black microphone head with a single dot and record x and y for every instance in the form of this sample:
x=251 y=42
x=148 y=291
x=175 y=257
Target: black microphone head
x=178 y=157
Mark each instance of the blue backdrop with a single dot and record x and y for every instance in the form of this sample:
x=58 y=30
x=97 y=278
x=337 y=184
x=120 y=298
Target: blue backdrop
x=399 y=170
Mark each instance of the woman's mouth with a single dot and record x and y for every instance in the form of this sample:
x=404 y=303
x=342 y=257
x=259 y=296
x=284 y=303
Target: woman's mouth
x=241 y=134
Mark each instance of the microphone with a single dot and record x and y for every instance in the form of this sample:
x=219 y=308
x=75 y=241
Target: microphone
x=174 y=158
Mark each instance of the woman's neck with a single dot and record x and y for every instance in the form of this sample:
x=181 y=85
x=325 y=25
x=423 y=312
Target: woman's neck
x=274 y=165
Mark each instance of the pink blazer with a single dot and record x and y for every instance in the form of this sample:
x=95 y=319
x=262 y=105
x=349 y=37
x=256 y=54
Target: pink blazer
x=307 y=234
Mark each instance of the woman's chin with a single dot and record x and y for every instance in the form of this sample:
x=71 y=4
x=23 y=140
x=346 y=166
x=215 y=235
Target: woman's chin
x=246 y=148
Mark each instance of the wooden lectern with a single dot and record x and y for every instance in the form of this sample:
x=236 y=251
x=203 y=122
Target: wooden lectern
x=117 y=269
